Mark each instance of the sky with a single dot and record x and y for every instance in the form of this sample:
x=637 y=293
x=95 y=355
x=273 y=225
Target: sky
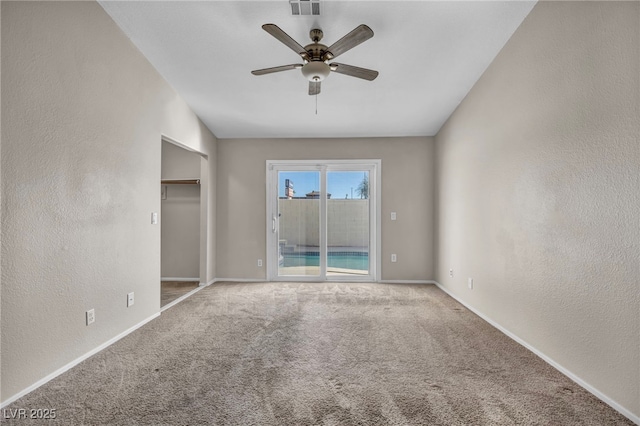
x=339 y=184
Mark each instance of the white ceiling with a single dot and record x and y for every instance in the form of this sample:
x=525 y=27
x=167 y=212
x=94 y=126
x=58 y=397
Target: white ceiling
x=429 y=55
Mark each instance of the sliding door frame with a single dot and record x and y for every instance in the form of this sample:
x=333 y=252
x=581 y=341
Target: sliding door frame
x=323 y=166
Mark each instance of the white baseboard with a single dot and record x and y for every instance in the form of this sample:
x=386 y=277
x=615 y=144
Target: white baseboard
x=240 y=280
x=208 y=283
x=257 y=280
x=604 y=398
x=406 y=282
x=179 y=279
x=75 y=362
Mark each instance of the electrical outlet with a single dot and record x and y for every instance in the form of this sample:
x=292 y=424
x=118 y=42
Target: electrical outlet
x=260 y=263
x=130 y=299
x=394 y=258
x=91 y=316
x=393 y=216
x=470 y=283
x=451 y=273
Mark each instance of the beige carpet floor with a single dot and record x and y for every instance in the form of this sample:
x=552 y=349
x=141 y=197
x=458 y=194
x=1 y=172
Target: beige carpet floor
x=317 y=354
x=172 y=290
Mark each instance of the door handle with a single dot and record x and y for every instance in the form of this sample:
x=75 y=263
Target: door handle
x=273 y=225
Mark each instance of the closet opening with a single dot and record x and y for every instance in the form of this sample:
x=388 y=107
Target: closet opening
x=182 y=209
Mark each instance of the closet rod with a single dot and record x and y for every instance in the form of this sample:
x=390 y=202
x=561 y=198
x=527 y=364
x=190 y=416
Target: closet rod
x=180 y=181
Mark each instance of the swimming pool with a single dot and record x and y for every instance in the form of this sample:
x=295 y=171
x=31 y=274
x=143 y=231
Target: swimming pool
x=343 y=260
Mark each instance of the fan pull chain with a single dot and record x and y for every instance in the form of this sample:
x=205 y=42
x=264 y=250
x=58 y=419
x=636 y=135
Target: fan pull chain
x=316 y=104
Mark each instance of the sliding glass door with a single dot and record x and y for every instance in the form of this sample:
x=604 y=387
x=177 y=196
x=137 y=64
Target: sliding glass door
x=321 y=220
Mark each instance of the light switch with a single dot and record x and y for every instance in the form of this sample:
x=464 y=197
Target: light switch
x=393 y=215
x=154 y=218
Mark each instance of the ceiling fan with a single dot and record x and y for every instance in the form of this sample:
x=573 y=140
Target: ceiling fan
x=316 y=56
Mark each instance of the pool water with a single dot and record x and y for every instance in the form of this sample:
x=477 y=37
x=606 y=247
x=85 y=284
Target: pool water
x=358 y=261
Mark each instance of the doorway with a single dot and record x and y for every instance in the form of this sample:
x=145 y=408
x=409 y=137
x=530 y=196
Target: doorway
x=182 y=210
x=323 y=220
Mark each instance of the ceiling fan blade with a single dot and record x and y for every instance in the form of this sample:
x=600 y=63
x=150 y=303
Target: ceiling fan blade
x=276 y=69
x=359 y=35
x=284 y=38
x=314 y=87
x=363 y=73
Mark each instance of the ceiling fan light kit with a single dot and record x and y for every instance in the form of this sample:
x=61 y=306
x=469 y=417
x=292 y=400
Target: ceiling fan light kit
x=316 y=71
x=316 y=56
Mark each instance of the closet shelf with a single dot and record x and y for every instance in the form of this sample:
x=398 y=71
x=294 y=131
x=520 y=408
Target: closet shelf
x=180 y=181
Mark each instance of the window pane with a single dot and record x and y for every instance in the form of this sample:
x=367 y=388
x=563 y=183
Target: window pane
x=299 y=223
x=348 y=223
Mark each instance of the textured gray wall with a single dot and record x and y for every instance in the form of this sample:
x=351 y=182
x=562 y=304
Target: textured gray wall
x=406 y=187
x=83 y=114
x=538 y=192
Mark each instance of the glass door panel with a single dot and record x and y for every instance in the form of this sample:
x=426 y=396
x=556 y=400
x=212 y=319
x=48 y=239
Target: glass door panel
x=298 y=223
x=348 y=223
